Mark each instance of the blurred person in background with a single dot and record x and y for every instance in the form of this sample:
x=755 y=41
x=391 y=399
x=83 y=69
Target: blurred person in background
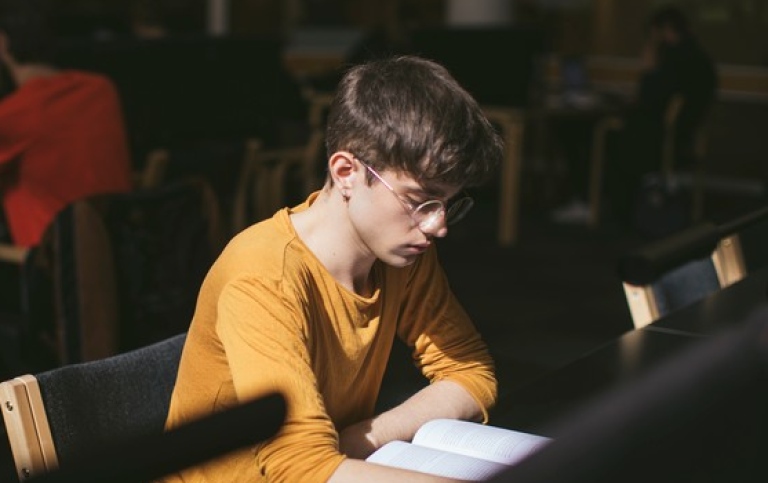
x=673 y=65
x=62 y=133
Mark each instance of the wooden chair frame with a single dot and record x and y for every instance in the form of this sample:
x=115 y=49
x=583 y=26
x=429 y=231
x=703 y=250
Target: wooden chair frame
x=28 y=415
x=512 y=125
x=261 y=185
x=27 y=425
x=729 y=266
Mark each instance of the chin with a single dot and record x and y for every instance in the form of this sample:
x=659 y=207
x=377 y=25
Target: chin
x=398 y=261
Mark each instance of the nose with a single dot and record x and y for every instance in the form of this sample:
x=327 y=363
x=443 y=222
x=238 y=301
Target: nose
x=435 y=226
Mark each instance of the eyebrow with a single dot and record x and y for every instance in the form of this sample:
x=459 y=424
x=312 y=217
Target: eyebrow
x=430 y=191
x=426 y=192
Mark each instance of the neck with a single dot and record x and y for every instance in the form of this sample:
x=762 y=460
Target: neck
x=325 y=229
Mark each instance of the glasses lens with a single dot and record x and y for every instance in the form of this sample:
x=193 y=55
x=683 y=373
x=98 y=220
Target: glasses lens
x=428 y=210
x=458 y=209
x=428 y=213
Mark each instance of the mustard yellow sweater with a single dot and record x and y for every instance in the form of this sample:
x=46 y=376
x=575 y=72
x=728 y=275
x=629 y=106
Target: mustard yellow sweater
x=269 y=316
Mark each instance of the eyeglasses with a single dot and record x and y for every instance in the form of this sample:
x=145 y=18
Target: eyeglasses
x=427 y=214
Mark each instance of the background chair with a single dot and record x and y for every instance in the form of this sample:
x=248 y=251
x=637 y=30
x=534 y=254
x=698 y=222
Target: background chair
x=156 y=455
x=61 y=417
x=271 y=178
x=163 y=242
x=14 y=308
x=671 y=173
x=503 y=89
x=676 y=271
x=265 y=181
x=511 y=125
x=67 y=289
x=114 y=272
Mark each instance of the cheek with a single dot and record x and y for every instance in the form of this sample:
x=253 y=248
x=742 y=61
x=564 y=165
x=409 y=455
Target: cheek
x=379 y=224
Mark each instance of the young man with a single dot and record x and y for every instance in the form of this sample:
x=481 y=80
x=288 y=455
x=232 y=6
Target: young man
x=309 y=301
x=62 y=136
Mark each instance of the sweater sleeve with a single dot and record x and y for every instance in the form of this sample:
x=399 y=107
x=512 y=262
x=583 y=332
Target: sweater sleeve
x=445 y=342
x=265 y=340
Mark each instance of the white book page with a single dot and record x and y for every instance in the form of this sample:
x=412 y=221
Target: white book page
x=429 y=460
x=501 y=445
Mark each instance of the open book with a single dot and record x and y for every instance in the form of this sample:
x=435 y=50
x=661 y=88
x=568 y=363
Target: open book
x=459 y=449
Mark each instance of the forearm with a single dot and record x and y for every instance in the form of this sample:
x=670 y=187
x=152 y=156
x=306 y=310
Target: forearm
x=442 y=399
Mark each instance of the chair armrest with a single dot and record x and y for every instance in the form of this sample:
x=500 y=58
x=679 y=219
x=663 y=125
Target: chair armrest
x=13 y=254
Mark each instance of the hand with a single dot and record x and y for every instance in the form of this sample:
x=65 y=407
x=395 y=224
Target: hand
x=357 y=441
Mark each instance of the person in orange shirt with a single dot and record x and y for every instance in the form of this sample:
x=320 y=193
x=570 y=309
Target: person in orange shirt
x=310 y=301
x=62 y=134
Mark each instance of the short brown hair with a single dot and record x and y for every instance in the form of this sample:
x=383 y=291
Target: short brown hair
x=409 y=114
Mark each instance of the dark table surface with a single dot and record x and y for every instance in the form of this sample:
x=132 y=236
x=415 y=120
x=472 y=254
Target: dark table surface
x=539 y=405
x=542 y=404
x=700 y=416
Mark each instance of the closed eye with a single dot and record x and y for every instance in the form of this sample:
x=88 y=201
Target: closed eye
x=414 y=203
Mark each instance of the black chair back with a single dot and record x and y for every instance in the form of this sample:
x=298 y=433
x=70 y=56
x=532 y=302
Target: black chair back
x=102 y=402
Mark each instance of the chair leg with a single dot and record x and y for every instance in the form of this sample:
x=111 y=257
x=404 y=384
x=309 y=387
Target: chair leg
x=697 y=205
x=599 y=139
x=728 y=259
x=642 y=304
x=596 y=174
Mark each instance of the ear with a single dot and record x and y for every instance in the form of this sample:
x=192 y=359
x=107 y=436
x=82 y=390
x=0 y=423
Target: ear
x=343 y=169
